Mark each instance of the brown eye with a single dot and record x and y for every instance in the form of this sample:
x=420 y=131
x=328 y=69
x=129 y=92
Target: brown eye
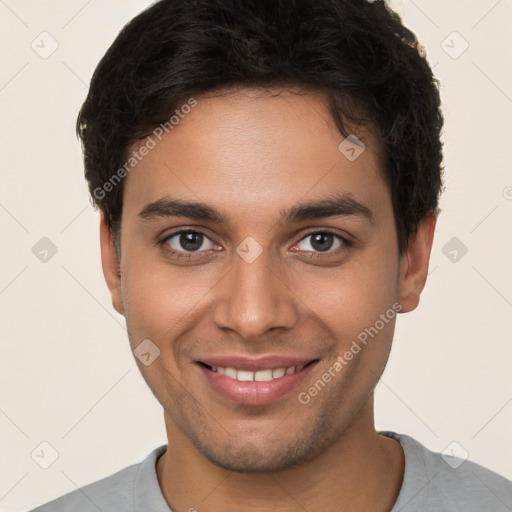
x=321 y=241
x=188 y=241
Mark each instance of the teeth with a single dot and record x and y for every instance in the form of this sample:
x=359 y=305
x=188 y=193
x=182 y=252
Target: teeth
x=263 y=375
x=230 y=372
x=278 y=372
x=259 y=376
x=244 y=376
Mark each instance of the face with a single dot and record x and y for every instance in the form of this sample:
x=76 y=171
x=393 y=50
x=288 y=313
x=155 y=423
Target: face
x=254 y=257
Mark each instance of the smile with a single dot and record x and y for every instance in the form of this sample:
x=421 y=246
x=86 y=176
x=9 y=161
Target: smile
x=260 y=386
x=259 y=376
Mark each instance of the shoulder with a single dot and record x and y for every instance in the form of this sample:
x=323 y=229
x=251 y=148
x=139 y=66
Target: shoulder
x=114 y=492
x=96 y=495
x=435 y=481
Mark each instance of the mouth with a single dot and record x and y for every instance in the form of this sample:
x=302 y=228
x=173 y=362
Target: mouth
x=255 y=382
x=265 y=375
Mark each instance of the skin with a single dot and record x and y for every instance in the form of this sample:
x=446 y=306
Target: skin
x=250 y=155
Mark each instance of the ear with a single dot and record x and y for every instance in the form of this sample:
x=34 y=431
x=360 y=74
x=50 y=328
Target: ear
x=414 y=264
x=110 y=264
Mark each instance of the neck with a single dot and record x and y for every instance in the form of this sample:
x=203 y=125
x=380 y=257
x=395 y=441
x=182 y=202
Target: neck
x=362 y=470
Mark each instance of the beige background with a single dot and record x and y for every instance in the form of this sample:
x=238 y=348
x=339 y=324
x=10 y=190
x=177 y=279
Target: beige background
x=67 y=374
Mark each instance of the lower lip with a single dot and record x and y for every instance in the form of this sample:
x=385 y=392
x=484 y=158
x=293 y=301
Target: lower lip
x=253 y=392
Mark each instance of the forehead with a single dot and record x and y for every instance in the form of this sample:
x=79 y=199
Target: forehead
x=257 y=151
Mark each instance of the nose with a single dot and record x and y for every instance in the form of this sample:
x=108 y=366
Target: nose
x=254 y=298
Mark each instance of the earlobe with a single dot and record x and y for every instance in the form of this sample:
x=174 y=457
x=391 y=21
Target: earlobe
x=111 y=265
x=414 y=264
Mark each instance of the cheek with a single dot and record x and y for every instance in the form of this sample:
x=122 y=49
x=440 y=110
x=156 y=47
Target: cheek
x=353 y=296
x=158 y=300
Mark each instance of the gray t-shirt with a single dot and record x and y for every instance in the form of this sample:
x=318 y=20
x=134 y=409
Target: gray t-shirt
x=430 y=484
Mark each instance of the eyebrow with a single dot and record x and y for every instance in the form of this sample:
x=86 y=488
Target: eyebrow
x=331 y=206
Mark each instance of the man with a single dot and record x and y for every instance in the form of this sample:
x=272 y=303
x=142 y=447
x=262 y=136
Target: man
x=268 y=175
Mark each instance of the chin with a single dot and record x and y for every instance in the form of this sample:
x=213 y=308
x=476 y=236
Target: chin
x=252 y=461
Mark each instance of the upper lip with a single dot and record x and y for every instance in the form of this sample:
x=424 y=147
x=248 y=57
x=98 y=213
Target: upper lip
x=255 y=364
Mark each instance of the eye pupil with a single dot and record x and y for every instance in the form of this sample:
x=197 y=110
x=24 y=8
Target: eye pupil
x=322 y=241
x=191 y=241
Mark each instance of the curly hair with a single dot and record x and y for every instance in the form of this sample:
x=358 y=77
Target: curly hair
x=357 y=53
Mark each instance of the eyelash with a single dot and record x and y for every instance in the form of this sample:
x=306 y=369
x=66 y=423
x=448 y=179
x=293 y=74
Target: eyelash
x=346 y=244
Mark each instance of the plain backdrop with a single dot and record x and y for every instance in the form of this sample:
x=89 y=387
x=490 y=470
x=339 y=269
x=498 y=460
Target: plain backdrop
x=68 y=377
